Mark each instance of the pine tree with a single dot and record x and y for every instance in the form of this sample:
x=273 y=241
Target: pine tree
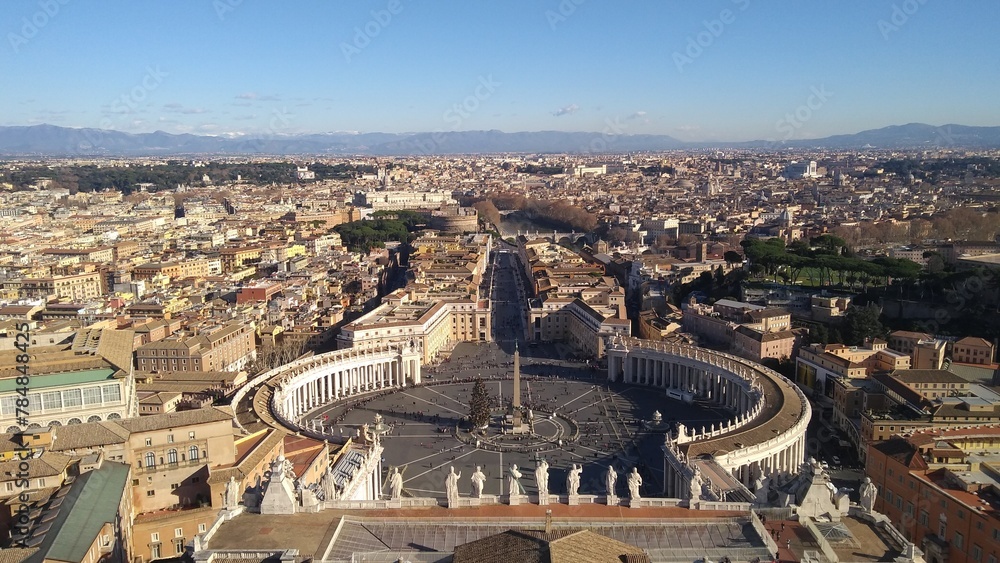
x=479 y=405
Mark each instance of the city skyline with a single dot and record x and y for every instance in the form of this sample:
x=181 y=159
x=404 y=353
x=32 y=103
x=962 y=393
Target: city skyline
x=731 y=70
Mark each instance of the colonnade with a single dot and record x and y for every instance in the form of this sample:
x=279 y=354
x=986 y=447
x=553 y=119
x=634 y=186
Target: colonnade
x=341 y=374
x=705 y=381
x=727 y=381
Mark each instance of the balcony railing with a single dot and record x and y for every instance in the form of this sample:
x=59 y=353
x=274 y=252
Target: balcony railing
x=172 y=466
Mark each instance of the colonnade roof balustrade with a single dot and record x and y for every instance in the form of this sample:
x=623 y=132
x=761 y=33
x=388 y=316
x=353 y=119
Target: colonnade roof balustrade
x=271 y=386
x=784 y=404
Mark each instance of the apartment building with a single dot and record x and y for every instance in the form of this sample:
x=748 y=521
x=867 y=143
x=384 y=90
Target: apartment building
x=940 y=489
x=973 y=350
x=757 y=345
x=75 y=287
x=194 y=268
x=817 y=365
x=224 y=348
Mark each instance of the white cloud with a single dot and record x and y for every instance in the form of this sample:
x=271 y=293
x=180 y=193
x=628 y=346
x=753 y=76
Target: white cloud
x=572 y=108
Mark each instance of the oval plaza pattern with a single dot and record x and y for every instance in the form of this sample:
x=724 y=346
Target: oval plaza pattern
x=764 y=439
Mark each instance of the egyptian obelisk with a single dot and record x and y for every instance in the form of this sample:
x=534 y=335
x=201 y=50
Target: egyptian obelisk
x=517 y=424
x=517 y=379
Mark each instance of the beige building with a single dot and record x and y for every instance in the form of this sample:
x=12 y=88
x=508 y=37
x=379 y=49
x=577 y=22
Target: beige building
x=74 y=287
x=905 y=341
x=973 y=350
x=757 y=345
x=194 y=268
x=929 y=354
x=226 y=348
x=433 y=327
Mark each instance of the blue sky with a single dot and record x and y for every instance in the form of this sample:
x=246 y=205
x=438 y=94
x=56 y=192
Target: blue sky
x=696 y=70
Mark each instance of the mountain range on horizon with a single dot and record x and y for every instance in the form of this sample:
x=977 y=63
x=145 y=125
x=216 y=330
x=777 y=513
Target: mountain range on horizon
x=55 y=141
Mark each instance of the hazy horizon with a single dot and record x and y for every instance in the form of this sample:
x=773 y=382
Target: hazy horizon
x=728 y=70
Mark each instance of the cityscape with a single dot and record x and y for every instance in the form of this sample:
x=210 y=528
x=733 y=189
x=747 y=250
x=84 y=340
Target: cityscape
x=444 y=288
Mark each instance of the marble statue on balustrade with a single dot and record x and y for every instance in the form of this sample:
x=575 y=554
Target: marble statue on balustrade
x=762 y=489
x=478 y=481
x=542 y=478
x=682 y=434
x=697 y=483
x=573 y=480
x=514 y=486
x=634 y=482
x=610 y=479
x=451 y=485
x=395 y=484
x=868 y=494
x=231 y=498
x=327 y=484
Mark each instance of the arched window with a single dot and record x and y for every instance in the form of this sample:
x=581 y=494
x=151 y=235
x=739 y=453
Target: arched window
x=193 y=453
x=172 y=457
x=150 y=459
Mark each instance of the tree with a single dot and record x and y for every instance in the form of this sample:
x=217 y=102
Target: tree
x=732 y=257
x=479 y=405
x=861 y=323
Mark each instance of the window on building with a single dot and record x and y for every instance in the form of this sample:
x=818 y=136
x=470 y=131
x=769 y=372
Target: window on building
x=172 y=457
x=151 y=493
x=149 y=442
x=179 y=546
x=959 y=540
x=178 y=532
x=202 y=528
x=154 y=537
x=170 y=438
x=977 y=553
x=191 y=435
x=193 y=453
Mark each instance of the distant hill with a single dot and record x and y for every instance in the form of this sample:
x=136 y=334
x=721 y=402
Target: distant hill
x=51 y=140
x=911 y=135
